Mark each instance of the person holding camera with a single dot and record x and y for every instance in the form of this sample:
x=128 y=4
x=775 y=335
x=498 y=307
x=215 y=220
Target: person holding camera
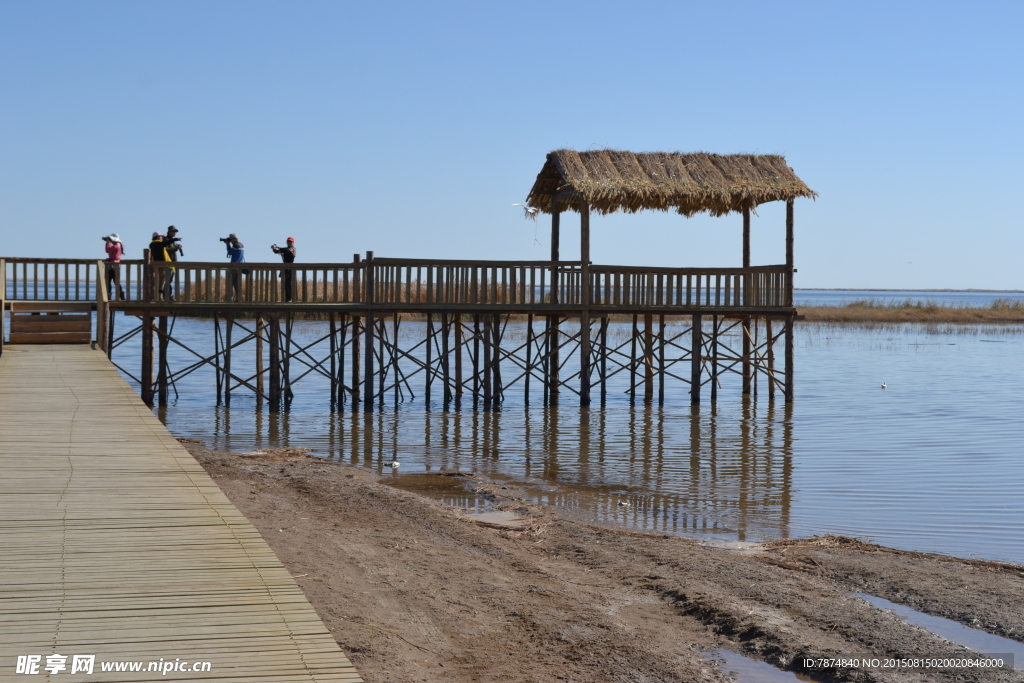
x=287 y=256
x=162 y=276
x=115 y=252
x=172 y=243
x=236 y=252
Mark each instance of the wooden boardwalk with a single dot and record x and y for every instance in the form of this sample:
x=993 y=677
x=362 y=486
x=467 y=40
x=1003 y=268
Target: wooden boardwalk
x=114 y=542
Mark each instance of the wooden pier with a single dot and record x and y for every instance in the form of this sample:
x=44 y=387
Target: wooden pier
x=734 y=318
x=117 y=544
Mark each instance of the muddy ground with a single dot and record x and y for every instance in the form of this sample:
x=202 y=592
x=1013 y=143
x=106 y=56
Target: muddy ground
x=414 y=590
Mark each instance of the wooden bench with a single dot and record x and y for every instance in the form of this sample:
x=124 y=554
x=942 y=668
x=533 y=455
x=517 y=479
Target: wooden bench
x=61 y=322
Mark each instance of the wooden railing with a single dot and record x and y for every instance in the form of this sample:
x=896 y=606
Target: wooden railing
x=53 y=279
x=415 y=282
x=719 y=287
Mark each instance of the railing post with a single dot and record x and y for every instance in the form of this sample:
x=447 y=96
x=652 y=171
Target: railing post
x=147 y=275
x=102 y=304
x=368 y=331
x=3 y=300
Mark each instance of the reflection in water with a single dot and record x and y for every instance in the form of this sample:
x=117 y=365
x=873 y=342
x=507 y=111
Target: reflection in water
x=691 y=471
x=932 y=463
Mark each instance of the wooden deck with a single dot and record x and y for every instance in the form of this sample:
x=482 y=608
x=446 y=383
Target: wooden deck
x=114 y=542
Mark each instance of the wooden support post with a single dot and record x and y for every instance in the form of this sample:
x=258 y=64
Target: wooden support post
x=662 y=371
x=553 y=359
x=496 y=336
x=529 y=358
x=585 y=359
x=648 y=358
x=340 y=397
x=476 y=357
x=487 y=362
x=368 y=334
x=275 y=362
x=381 y=371
x=697 y=341
x=286 y=361
x=633 y=360
x=458 y=356
x=356 y=364
x=218 y=371
x=604 y=359
x=261 y=330
x=789 y=252
x=147 y=359
x=445 y=375
x=714 y=358
x=747 y=293
x=110 y=332
x=789 y=359
x=333 y=331
x=430 y=350
x=770 y=343
x=161 y=368
x=229 y=324
x=788 y=350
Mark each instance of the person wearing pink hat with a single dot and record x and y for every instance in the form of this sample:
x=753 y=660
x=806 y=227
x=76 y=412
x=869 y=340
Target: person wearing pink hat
x=287 y=256
x=115 y=252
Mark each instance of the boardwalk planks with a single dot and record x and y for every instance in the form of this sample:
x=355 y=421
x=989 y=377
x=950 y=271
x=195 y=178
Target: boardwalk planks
x=116 y=543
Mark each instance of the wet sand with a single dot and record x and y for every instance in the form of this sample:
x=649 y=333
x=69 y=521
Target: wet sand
x=414 y=590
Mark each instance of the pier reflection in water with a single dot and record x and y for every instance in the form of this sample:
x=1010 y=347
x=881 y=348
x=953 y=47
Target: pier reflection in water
x=932 y=463
x=705 y=471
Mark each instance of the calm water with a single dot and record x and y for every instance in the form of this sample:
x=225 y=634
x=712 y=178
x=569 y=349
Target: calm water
x=932 y=463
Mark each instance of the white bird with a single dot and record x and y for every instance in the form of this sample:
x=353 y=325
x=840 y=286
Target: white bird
x=624 y=504
x=394 y=464
x=883 y=385
x=528 y=211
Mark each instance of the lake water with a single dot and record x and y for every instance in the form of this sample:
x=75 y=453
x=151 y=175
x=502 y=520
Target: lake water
x=932 y=463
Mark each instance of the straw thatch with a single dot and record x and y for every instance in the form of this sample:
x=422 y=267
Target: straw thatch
x=610 y=180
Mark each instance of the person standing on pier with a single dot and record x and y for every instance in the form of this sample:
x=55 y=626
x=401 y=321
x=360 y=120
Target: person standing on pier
x=162 y=276
x=287 y=256
x=236 y=252
x=115 y=252
x=172 y=246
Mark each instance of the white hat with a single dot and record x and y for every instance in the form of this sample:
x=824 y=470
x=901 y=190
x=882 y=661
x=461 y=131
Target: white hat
x=114 y=237
x=156 y=235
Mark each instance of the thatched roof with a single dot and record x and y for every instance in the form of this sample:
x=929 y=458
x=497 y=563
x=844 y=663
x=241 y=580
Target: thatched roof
x=610 y=180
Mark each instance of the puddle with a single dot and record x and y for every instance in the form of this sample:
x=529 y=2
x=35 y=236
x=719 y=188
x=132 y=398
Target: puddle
x=450 y=490
x=501 y=520
x=746 y=670
x=1011 y=651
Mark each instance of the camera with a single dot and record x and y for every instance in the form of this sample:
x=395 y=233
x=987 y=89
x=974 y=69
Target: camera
x=274 y=247
x=225 y=239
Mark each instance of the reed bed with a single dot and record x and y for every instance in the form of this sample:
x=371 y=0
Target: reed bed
x=916 y=311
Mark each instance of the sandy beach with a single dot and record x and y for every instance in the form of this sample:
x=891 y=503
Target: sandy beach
x=414 y=590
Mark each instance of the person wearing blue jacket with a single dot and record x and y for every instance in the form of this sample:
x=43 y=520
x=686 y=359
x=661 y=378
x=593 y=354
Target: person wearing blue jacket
x=236 y=252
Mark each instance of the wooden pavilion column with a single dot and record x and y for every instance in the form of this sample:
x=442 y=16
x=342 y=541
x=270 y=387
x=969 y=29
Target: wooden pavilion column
x=747 y=287
x=584 y=303
x=552 y=321
x=789 y=301
x=368 y=334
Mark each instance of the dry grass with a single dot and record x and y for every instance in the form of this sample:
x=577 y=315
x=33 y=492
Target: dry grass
x=613 y=180
x=916 y=311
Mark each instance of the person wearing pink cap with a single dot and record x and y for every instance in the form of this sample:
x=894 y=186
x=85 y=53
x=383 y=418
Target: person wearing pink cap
x=115 y=252
x=287 y=256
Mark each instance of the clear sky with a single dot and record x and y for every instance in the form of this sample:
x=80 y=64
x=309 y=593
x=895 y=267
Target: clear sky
x=411 y=128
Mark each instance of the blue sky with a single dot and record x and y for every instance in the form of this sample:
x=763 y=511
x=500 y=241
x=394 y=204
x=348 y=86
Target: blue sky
x=410 y=128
